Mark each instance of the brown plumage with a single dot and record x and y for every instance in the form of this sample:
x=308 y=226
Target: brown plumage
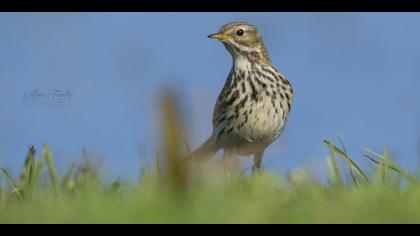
x=253 y=107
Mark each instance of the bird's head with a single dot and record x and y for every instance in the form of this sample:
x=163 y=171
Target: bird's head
x=242 y=39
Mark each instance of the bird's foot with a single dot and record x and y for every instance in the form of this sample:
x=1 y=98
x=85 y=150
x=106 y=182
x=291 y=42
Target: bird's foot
x=257 y=170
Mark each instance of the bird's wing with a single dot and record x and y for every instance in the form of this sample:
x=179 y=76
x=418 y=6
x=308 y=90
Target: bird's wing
x=217 y=110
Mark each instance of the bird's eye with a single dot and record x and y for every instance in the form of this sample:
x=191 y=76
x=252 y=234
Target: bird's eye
x=240 y=32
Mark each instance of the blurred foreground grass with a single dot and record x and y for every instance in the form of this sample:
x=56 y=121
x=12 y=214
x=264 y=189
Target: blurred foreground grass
x=175 y=190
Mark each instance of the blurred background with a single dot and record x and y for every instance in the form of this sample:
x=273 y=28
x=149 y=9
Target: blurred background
x=93 y=80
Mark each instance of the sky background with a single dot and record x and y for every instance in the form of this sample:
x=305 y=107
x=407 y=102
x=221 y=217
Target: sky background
x=357 y=74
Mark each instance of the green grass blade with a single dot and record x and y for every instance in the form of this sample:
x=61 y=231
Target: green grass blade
x=390 y=164
x=31 y=175
x=51 y=167
x=340 y=138
x=353 y=176
x=27 y=169
x=385 y=168
x=334 y=170
x=338 y=179
x=381 y=168
x=345 y=157
x=12 y=184
x=66 y=178
x=343 y=147
x=335 y=178
x=380 y=163
x=371 y=159
x=157 y=166
x=330 y=167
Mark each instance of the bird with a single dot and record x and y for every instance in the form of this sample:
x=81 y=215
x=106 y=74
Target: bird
x=252 y=109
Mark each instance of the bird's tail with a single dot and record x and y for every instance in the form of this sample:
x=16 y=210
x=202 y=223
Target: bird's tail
x=205 y=151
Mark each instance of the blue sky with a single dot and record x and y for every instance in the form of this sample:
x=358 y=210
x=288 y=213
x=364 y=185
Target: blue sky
x=357 y=74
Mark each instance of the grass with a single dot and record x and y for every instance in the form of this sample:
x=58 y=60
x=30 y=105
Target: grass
x=172 y=190
x=387 y=195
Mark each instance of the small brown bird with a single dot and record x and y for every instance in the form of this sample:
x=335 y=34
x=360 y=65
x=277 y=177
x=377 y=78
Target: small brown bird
x=252 y=109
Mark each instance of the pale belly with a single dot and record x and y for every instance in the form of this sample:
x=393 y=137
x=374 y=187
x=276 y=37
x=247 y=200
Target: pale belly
x=253 y=132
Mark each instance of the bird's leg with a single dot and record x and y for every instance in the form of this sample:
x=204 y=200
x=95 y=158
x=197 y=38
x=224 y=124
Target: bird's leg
x=228 y=158
x=257 y=162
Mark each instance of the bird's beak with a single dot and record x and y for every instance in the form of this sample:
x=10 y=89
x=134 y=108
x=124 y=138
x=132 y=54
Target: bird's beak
x=219 y=36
